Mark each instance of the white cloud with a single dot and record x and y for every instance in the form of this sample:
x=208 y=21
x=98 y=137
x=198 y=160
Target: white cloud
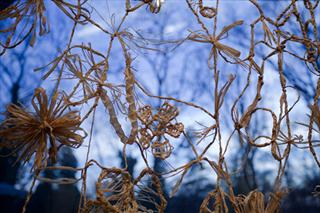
x=88 y=31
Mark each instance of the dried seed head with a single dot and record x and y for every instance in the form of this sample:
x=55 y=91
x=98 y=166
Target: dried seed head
x=161 y=150
x=156 y=126
x=32 y=132
x=117 y=192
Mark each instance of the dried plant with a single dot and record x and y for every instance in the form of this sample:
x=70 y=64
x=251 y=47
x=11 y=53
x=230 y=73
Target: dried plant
x=208 y=12
x=255 y=202
x=47 y=126
x=117 y=192
x=25 y=15
x=156 y=126
x=51 y=125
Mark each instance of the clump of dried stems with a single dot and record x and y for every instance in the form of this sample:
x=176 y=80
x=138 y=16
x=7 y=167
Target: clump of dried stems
x=117 y=192
x=41 y=132
x=33 y=132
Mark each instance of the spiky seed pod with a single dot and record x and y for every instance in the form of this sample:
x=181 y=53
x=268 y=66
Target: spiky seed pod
x=33 y=132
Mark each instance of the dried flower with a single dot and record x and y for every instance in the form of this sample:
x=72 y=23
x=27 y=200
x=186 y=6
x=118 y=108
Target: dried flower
x=29 y=132
x=156 y=126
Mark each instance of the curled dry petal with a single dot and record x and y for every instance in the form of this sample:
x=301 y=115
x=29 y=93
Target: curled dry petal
x=161 y=150
x=145 y=138
x=167 y=112
x=145 y=114
x=175 y=130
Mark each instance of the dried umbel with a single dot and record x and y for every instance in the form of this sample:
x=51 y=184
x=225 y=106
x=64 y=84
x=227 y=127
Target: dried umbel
x=157 y=126
x=32 y=133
